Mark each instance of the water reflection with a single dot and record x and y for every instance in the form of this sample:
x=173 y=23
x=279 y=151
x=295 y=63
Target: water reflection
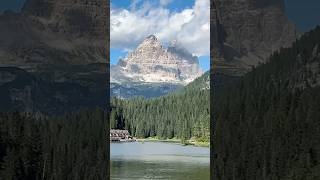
x=156 y=160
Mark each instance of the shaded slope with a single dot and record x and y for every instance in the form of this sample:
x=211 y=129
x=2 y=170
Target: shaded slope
x=267 y=123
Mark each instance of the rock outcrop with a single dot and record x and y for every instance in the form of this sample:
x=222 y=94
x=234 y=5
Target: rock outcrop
x=246 y=32
x=51 y=32
x=70 y=17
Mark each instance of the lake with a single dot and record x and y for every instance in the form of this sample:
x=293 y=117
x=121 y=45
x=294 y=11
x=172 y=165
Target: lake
x=158 y=160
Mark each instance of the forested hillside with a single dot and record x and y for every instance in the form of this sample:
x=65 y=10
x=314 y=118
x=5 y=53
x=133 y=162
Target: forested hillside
x=268 y=122
x=65 y=147
x=183 y=114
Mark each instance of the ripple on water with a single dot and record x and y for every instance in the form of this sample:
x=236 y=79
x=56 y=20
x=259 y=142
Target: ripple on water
x=153 y=160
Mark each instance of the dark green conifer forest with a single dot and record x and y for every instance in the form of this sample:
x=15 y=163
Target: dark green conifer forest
x=72 y=146
x=182 y=114
x=268 y=122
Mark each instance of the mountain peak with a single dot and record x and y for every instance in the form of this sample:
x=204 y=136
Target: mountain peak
x=152 y=37
x=150 y=43
x=151 y=62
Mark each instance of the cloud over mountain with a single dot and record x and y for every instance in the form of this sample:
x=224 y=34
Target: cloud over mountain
x=189 y=26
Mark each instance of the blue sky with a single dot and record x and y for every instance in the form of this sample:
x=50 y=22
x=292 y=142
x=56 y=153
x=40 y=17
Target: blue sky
x=174 y=5
x=185 y=21
x=115 y=54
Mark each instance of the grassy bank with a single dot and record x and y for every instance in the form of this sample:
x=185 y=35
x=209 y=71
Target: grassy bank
x=192 y=142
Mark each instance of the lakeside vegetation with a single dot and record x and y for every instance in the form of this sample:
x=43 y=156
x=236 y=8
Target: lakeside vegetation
x=191 y=141
x=181 y=115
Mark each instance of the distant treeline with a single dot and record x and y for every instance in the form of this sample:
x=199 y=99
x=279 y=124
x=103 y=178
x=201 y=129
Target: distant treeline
x=268 y=123
x=183 y=114
x=72 y=146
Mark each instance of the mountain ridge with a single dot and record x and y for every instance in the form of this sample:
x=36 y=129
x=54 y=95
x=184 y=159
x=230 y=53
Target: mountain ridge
x=151 y=64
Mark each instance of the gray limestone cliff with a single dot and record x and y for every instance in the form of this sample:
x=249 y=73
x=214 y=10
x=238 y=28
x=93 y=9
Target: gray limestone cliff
x=50 y=32
x=151 y=62
x=246 y=32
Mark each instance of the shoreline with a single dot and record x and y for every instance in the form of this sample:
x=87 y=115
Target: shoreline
x=175 y=141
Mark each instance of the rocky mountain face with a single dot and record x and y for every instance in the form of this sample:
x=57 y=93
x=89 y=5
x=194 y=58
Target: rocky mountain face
x=53 y=56
x=152 y=65
x=151 y=62
x=63 y=16
x=246 y=32
x=50 y=32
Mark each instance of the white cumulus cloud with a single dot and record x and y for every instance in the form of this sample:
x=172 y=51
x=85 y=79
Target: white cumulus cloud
x=190 y=27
